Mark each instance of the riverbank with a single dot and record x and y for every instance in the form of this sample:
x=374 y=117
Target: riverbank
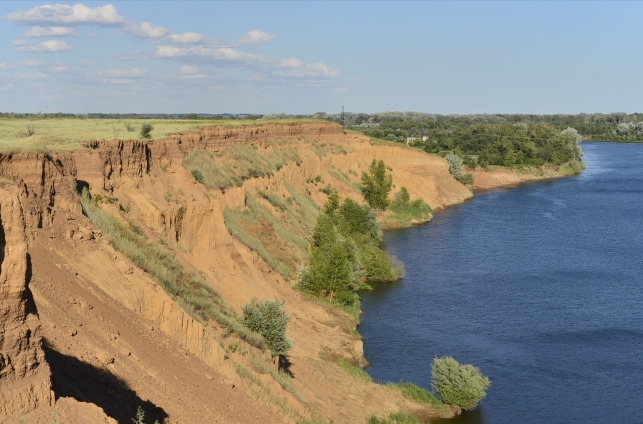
x=486 y=179
x=483 y=179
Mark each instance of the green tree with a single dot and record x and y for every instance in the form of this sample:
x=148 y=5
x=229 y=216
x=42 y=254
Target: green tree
x=331 y=273
x=376 y=185
x=324 y=232
x=461 y=385
x=403 y=197
x=332 y=204
x=269 y=319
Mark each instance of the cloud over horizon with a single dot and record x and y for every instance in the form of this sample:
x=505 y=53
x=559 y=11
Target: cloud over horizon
x=51 y=46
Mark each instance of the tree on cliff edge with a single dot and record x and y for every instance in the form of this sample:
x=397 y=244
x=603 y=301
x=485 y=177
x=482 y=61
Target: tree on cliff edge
x=376 y=185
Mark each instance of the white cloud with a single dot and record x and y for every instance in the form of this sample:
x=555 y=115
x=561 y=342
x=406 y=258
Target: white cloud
x=52 y=31
x=160 y=33
x=31 y=76
x=186 y=38
x=256 y=78
x=6 y=87
x=214 y=53
x=83 y=62
x=188 y=73
x=188 y=70
x=50 y=46
x=121 y=73
x=62 y=14
x=145 y=30
x=32 y=63
x=291 y=67
x=294 y=67
x=3 y=65
x=118 y=81
x=256 y=37
x=120 y=76
x=60 y=69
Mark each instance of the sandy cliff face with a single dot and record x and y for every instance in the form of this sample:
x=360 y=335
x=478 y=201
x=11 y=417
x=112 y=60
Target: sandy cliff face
x=130 y=342
x=24 y=375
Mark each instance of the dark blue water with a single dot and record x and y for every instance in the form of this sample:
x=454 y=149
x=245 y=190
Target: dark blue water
x=540 y=286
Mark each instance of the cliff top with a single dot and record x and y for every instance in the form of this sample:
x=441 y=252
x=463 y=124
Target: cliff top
x=69 y=134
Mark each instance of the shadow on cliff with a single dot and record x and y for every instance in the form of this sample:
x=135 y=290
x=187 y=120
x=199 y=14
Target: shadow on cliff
x=71 y=377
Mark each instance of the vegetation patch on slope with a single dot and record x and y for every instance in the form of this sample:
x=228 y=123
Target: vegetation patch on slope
x=192 y=292
x=233 y=164
x=277 y=236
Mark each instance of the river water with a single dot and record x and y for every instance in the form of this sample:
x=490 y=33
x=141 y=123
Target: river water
x=540 y=286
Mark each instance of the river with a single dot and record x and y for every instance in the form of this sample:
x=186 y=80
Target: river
x=540 y=286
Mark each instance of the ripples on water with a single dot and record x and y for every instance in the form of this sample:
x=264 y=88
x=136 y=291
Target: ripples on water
x=540 y=286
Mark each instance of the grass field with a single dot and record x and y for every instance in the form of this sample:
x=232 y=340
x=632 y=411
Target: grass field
x=66 y=134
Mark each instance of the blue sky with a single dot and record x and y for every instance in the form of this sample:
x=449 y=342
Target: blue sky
x=304 y=57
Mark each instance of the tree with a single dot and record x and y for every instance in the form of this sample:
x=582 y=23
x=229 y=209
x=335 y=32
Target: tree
x=146 y=130
x=269 y=319
x=332 y=204
x=461 y=385
x=376 y=185
x=403 y=197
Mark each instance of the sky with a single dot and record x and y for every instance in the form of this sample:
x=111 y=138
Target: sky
x=305 y=57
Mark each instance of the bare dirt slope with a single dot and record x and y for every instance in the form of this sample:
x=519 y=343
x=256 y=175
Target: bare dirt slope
x=115 y=340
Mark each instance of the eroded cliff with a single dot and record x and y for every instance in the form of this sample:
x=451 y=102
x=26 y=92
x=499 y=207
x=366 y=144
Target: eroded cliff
x=117 y=340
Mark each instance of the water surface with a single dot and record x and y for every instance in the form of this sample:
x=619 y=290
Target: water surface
x=540 y=286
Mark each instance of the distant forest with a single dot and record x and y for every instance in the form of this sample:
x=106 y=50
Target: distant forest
x=618 y=126
x=504 y=140
x=487 y=139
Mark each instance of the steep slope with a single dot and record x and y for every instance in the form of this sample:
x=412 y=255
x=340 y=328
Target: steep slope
x=116 y=339
x=24 y=375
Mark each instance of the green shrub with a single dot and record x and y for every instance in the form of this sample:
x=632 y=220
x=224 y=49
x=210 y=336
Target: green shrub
x=467 y=179
x=269 y=319
x=198 y=175
x=456 y=165
x=376 y=185
x=146 y=130
x=461 y=385
x=140 y=417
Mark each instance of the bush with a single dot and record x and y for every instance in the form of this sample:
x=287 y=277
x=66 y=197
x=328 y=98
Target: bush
x=146 y=131
x=467 y=179
x=456 y=166
x=461 y=385
x=198 y=175
x=269 y=319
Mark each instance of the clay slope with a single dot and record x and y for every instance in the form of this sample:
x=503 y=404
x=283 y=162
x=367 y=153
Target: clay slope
x=116 y=340
x=24 y=375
